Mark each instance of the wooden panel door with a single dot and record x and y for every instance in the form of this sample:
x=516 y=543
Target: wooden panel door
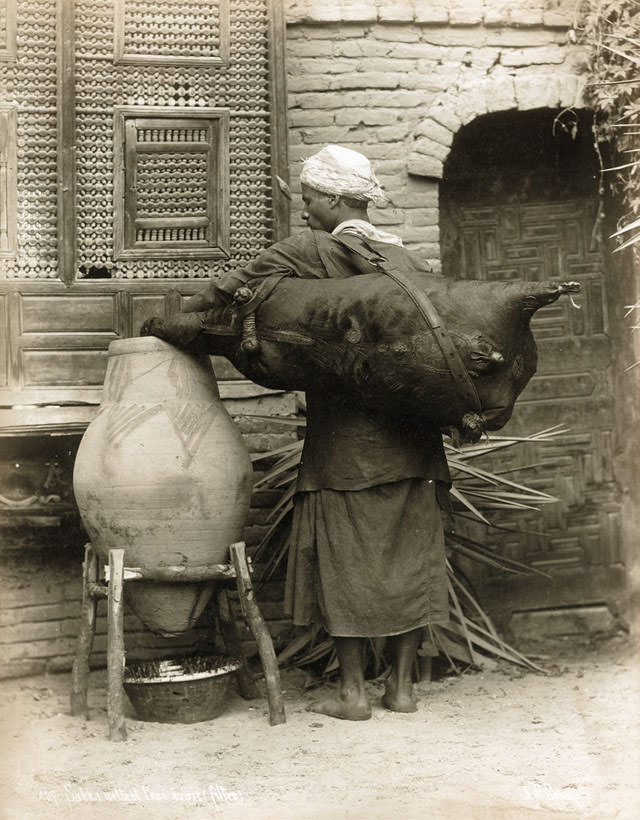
x=577 y=540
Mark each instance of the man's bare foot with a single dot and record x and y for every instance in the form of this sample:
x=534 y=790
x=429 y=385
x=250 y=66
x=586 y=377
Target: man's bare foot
x=398 y=701
x=345 y=706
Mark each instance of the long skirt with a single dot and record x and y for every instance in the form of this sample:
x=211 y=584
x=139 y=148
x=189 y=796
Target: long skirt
x=370 y=562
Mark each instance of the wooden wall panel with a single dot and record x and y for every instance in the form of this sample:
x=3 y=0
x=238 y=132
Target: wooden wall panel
x=59 y=344
x=8 y=179
x=75 y=368
x=68 y=314
x=146 y=306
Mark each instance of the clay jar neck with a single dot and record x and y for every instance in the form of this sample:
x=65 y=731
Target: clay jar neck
x=147 y=370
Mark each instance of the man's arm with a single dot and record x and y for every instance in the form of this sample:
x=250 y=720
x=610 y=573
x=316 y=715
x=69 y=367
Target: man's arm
x=297 y=256
x=211 y=296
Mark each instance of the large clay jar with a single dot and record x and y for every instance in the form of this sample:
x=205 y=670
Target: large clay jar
x=162 y=472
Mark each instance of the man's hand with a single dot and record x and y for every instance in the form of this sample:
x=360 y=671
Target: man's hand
x=181 y=329
x=152 y=327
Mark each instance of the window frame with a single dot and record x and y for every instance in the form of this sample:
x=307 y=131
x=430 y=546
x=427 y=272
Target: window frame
x=126 y=120
x=8 y=50
x=121 y=57
x=9 y=179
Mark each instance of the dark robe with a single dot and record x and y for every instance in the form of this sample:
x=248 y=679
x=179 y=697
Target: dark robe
x=366 y=556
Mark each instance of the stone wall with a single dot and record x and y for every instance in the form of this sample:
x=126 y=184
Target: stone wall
x=396 y=80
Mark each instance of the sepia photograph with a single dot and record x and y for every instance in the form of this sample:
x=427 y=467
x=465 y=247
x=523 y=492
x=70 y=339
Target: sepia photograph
x=319 y=409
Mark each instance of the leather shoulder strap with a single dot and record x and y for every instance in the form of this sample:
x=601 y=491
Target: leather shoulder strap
x=461 y=377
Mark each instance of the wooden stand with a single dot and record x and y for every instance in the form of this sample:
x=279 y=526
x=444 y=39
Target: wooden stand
x=112 y=590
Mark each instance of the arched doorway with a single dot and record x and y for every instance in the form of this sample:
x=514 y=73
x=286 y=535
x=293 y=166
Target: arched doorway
x=519 y=200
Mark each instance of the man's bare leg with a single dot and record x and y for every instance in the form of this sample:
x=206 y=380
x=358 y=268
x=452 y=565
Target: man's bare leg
x=398 y=694
x=350 y=701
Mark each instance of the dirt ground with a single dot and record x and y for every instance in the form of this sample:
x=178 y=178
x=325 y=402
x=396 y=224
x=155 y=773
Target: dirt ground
x=493 y=744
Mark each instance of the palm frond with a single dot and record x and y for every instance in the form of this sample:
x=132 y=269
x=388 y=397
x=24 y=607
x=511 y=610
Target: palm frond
x=298 y=643
x=289 y=421
x=498 y=500
x=630 y=226
x=285 y=503
x=473 y=549
x=457 y=610
x=459 y=515
x=286 y=467
x=283 y=451
x=461 y=497
x=624 y=54
x=474 y=604
x=474 y=635
x=316 y=653
x=497 y=479
x=633 y=241
x=272 y=563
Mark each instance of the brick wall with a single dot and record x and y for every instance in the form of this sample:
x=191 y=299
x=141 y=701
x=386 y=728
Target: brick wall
x=396 y=80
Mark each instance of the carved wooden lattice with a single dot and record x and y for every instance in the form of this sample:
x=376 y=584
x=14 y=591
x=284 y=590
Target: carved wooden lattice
x=189 y=32
x=31 y=81
x=539 y=241
x=106 y=237
x=7 y=181
x=8 y=30
x=172 y=178
x=241 y=88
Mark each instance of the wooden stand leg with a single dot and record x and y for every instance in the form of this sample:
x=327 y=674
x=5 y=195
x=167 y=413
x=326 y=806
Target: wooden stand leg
x=80 y=670
x=246 y=684
x=115 y=647
x=260 y=632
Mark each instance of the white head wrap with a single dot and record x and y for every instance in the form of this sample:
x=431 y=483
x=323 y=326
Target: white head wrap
x=341 y=171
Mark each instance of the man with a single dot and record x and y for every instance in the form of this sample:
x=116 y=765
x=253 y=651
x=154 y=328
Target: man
x=367 y=548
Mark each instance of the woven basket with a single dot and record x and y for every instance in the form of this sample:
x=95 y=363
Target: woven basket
x=184 y=690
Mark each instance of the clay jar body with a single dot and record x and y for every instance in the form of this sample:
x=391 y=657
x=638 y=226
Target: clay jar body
x=162 y=472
